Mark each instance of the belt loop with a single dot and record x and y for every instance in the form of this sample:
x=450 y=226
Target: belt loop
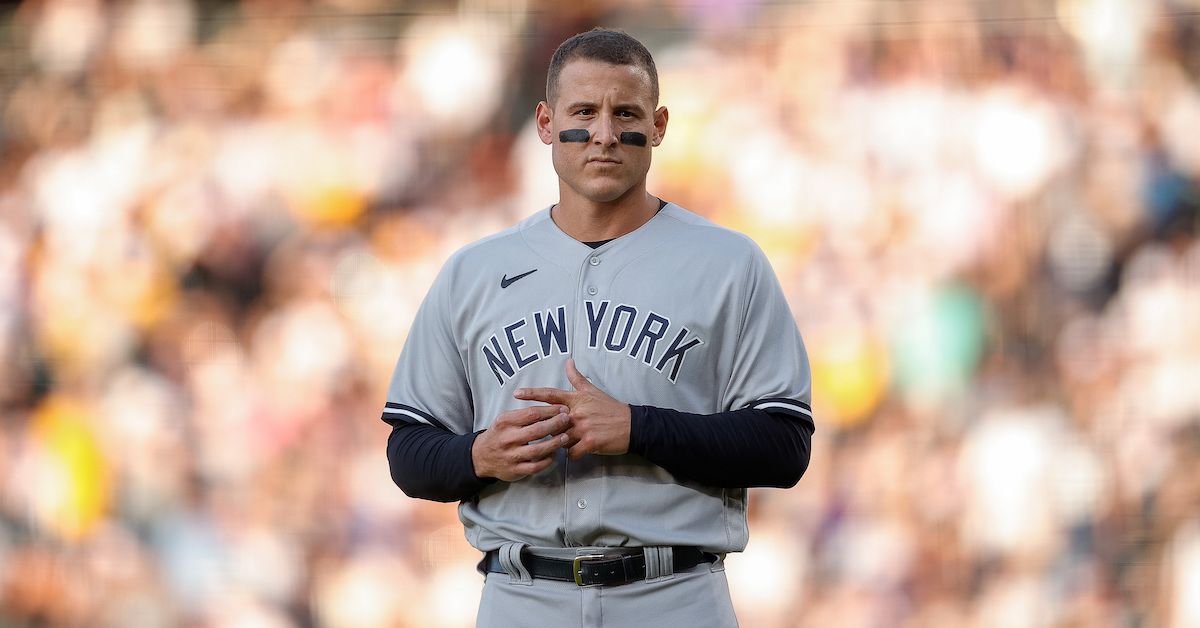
x=510 y=558
x=660 y=563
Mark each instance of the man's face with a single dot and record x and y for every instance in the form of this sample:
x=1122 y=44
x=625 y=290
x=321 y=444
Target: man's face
x=604 y=100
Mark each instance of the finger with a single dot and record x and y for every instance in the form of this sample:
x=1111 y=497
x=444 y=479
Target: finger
x=575 y=377
x=575 y=451
x=534 y=466
x=574 y=446
x=541 y=414
x=543 y=449
x=524 y=417
x=546 y=395
x=552 y=426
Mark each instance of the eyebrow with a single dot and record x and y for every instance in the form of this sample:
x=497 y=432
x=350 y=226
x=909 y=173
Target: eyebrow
x=587 y=104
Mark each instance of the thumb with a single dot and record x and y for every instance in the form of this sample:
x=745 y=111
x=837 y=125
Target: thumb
x=575 y=377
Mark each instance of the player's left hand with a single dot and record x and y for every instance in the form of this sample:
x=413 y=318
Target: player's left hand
x=599 y=423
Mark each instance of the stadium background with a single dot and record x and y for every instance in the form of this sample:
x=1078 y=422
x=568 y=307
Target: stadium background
x=217 y=219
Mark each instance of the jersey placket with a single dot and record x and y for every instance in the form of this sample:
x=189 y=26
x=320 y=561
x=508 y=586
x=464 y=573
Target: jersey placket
x=584 y=480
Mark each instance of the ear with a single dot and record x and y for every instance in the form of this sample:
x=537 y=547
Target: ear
x=543 y=115
x=660 y=126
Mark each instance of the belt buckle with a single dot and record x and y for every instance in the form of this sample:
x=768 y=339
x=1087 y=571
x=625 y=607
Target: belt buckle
x=577 y=567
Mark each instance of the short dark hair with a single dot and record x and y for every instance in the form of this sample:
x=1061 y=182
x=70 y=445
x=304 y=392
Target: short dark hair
x=608 y=45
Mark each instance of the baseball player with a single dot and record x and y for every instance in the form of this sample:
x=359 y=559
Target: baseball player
x=599 y=385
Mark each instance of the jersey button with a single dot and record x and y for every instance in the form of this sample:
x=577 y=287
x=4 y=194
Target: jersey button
x=581 y=503
x=592 y=290
x=595 y=261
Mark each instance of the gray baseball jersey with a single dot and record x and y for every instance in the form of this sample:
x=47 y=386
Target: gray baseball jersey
x=680 y=313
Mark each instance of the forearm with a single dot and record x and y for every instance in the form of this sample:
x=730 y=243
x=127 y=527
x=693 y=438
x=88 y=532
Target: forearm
x=430 y=463
x=736 y=449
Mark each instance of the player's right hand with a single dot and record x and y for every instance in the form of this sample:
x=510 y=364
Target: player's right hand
x=520 y=442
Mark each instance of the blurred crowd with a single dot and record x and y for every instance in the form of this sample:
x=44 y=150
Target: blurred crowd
x=218 y=218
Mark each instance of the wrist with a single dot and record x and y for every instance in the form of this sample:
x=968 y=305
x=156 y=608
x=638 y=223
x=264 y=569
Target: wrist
x=478 y=464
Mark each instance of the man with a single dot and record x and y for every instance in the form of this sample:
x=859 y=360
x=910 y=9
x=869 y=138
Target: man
x=600 y=384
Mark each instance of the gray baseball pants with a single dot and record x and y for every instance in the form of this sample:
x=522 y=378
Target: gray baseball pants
x=695 y=598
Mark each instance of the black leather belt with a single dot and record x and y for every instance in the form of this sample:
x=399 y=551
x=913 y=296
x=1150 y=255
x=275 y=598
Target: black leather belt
x=619 y=566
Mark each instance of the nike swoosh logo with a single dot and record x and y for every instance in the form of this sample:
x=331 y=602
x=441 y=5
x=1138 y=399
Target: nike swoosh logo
x=505 y=281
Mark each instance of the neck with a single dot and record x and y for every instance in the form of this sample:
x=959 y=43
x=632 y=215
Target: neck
x=590 y=221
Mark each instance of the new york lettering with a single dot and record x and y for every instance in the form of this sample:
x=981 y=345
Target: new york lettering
x=647 y=337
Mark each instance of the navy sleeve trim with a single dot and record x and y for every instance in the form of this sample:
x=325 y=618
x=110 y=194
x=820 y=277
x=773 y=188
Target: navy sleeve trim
x=798 y=409
x=393 y=412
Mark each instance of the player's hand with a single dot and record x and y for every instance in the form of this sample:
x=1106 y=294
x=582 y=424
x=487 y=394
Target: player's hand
x=520 y=442
x=599 y=423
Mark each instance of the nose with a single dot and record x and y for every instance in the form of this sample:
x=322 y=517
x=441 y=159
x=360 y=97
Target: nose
x=605 y=132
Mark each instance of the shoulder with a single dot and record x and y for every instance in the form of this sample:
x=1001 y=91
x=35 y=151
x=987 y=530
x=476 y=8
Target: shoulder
x=723 y=244
x=494 y=249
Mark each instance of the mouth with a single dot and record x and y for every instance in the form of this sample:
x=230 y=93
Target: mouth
x=604 y=161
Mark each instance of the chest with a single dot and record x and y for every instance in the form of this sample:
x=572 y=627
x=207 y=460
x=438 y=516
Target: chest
x=658 y=319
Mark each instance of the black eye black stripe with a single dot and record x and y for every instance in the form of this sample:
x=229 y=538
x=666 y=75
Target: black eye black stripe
x=632 y=138
x=574 y=135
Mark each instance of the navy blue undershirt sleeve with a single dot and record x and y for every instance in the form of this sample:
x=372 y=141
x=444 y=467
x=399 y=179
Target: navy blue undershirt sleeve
x=735 y=449
x=428 y=462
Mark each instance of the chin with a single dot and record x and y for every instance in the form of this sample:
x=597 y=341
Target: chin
x=604 y=198
x=604 y=193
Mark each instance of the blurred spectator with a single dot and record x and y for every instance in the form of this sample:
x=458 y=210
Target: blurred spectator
x=216 y=220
